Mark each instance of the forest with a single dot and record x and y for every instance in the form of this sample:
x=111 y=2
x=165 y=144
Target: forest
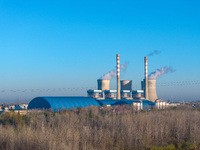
x=101 y=128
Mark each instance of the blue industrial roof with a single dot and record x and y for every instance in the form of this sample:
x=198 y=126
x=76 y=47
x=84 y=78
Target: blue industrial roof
x=116 y=102
x=60 y=103
x=107 y=101
x=145 y=103
x=131 y=101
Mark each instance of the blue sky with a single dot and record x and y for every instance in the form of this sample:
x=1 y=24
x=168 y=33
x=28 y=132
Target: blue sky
x=65 y=46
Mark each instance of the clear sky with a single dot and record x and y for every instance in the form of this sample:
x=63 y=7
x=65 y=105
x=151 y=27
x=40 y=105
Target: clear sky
x=62 y=47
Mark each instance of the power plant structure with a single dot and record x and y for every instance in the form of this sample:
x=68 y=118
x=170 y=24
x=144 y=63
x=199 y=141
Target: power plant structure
x=144 y=98
x=118 y=77
x=124 y=87
x=152 y=94
x=146 y=89
x=152 y=90
x=103 y=84
x=126 y=84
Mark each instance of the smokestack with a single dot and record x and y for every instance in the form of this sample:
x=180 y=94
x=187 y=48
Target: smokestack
x=152 y=90
x=103 y=84
x=146 y=93
x=118 y=77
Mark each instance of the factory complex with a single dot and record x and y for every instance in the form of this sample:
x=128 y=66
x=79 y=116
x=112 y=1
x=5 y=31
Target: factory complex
x=144 y=98
x=18 y=108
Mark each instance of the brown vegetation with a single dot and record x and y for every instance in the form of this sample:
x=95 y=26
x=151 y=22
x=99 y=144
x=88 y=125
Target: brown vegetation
x=94 y=128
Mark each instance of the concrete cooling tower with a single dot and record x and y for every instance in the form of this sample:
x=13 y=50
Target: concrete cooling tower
x=152 y=90
x=103 y=84
x=126 y=85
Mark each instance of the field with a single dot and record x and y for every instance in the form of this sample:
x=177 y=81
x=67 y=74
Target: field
x=95 y=128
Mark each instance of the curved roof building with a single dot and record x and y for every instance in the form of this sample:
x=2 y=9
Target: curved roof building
x=148 y=104
x=60 y=103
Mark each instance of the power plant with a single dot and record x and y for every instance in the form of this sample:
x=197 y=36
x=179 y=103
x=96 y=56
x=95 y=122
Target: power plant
x=144 y=98
x=124 y=87
x=146 y=90
x=152 y=90
x=118 y=77
x=103 y=84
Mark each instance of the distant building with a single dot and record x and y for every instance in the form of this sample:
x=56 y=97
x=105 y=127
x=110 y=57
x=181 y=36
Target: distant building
x=60 y=103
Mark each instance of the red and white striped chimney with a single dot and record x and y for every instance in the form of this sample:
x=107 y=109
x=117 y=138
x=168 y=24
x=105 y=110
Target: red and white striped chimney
x=146 y=90
x=118 y=77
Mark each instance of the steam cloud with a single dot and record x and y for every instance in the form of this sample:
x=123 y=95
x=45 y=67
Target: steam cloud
x=160 y=72
x=156 y=52
x=113 y=73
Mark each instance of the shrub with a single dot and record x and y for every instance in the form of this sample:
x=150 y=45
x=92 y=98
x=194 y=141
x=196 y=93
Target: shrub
x=111 y=128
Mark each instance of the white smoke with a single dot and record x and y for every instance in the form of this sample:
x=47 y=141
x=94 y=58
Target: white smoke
x=123 y=67
x=113 y=73
x=160 y=72
x=109 y=75
x=155 y=52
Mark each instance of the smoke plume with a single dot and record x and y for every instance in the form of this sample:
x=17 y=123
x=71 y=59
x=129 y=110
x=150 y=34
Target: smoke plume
x=160 y=72
x=123 y=67
x=113 y=73
x=155 y=52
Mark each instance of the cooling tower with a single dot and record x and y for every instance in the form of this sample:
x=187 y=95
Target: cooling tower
x=152 y=90
x=103 y=84
x=126 y=85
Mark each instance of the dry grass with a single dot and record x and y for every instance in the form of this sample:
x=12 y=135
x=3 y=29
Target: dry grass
x=93 y=128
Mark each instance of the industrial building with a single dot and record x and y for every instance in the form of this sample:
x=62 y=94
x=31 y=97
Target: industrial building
x=124 y=88
x=61 y=103
x=144 y=98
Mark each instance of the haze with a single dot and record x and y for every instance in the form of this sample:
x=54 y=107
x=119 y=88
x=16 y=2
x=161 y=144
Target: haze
x=50 y=48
